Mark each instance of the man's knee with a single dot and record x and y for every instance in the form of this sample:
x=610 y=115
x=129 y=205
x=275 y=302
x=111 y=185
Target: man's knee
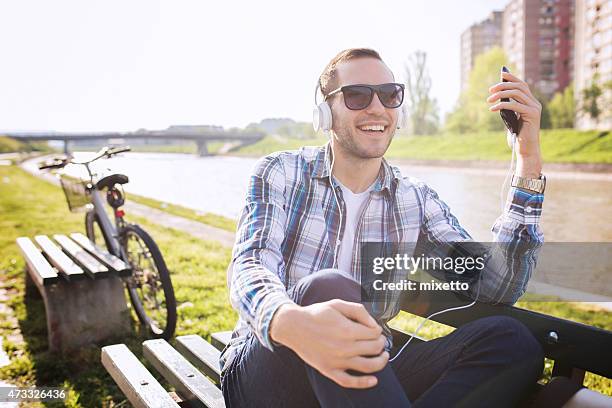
x=325 y=285
x=514 y=340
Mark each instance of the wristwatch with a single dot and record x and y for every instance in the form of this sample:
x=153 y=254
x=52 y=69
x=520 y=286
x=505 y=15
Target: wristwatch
x=536 y=185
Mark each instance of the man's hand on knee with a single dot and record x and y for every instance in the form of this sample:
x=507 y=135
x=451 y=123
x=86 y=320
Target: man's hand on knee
x=333 y=337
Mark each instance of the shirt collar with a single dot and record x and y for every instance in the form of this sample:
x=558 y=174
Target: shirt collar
x=320 y=169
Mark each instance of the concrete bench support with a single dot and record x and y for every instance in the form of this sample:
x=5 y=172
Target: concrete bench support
x=83 y=312
x=81 y=308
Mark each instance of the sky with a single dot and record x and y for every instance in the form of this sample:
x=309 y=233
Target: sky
x=81 y=65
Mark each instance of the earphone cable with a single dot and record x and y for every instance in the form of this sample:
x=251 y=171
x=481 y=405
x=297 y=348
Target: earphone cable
x=508 y=179
x=450 y=309
x=330 y=170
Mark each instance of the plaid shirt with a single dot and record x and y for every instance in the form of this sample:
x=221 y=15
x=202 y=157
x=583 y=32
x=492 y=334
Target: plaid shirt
x=290 y=223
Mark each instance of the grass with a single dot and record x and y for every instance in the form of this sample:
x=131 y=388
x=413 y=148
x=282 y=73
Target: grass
x=10 y=145
x=559 y=145
x=30 y=206
x=214 y=220
x=270 y=144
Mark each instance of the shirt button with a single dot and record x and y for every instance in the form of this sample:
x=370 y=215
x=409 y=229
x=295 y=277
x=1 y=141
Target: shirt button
x=528 y=210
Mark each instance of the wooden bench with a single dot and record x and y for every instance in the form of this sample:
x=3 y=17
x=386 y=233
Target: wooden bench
x=81 y=287
x=192 y=366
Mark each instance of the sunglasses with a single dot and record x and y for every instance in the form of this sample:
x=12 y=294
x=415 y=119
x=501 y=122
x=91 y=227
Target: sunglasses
x=357 y=97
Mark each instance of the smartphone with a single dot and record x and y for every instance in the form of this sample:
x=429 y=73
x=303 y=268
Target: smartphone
x=511 y=118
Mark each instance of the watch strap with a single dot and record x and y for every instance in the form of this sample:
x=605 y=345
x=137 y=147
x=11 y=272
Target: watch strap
x=536 y=185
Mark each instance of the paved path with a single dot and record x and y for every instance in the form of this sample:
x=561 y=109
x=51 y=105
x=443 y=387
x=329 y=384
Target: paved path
x=590 y=299
x=195 y=228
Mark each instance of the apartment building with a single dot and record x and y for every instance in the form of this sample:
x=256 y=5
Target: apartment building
x=538 y=36
x=477 y=39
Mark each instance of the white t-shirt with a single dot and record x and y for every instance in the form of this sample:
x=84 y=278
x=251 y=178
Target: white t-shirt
x=354 y=205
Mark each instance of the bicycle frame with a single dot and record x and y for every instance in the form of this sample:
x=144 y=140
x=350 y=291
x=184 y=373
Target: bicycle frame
x=109 y=229
x=107 y=226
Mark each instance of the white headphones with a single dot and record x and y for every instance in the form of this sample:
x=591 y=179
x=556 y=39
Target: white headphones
x=322 y=115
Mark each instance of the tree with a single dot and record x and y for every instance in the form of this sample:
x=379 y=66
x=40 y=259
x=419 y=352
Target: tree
x=596 y=99
x=562 y=108
x=472 y=113
x=299 y=130
x=590 y=99
x=421 y=109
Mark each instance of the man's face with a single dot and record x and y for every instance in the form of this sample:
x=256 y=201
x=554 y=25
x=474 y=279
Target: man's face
x=348 y=125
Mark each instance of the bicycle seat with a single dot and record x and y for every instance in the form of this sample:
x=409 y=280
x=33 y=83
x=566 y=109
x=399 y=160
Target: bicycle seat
x=111 y=180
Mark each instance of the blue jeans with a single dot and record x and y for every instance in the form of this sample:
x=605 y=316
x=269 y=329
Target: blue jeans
x=489 y=362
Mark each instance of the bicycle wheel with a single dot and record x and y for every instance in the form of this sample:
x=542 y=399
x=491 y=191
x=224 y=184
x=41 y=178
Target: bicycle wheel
x=149 y=287
x=94 y=231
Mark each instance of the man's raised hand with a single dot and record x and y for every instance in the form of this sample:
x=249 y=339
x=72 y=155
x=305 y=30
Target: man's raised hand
x=529 y=158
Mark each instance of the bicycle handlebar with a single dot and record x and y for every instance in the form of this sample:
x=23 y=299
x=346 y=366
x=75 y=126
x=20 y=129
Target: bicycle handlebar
x=59 y=162
x=56 y=163
x=105 y=151
x=120 y=149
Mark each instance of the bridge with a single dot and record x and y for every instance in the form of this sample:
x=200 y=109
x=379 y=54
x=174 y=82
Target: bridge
x=200 y=137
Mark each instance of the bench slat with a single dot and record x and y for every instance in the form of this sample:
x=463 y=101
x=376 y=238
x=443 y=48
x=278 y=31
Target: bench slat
x=90 y=265
x=60 y=260
x=101 y=255
x=43 y=272
x=136 y=382
x=220 y=339
x=201 y=354
x=190 y=384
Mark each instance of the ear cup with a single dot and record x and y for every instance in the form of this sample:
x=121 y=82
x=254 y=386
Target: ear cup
x=401 y=118
x=316 y=119
x=322 y=117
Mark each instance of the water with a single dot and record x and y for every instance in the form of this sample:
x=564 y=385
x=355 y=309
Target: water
x=576 y=207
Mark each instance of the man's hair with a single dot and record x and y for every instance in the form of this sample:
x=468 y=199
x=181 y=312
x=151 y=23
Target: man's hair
x=328 y=81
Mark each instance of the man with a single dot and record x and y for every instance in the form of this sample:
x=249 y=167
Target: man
x=304 y=338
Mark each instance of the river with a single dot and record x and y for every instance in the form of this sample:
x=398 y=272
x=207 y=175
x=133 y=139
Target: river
x=576 y=208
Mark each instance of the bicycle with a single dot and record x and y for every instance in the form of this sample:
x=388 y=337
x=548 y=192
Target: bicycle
x=149 y=286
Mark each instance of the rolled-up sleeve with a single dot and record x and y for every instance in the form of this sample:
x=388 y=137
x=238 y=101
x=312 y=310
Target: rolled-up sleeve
x=256 y=274
x=521 y=217
x=510 y=258
x=517 y=237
